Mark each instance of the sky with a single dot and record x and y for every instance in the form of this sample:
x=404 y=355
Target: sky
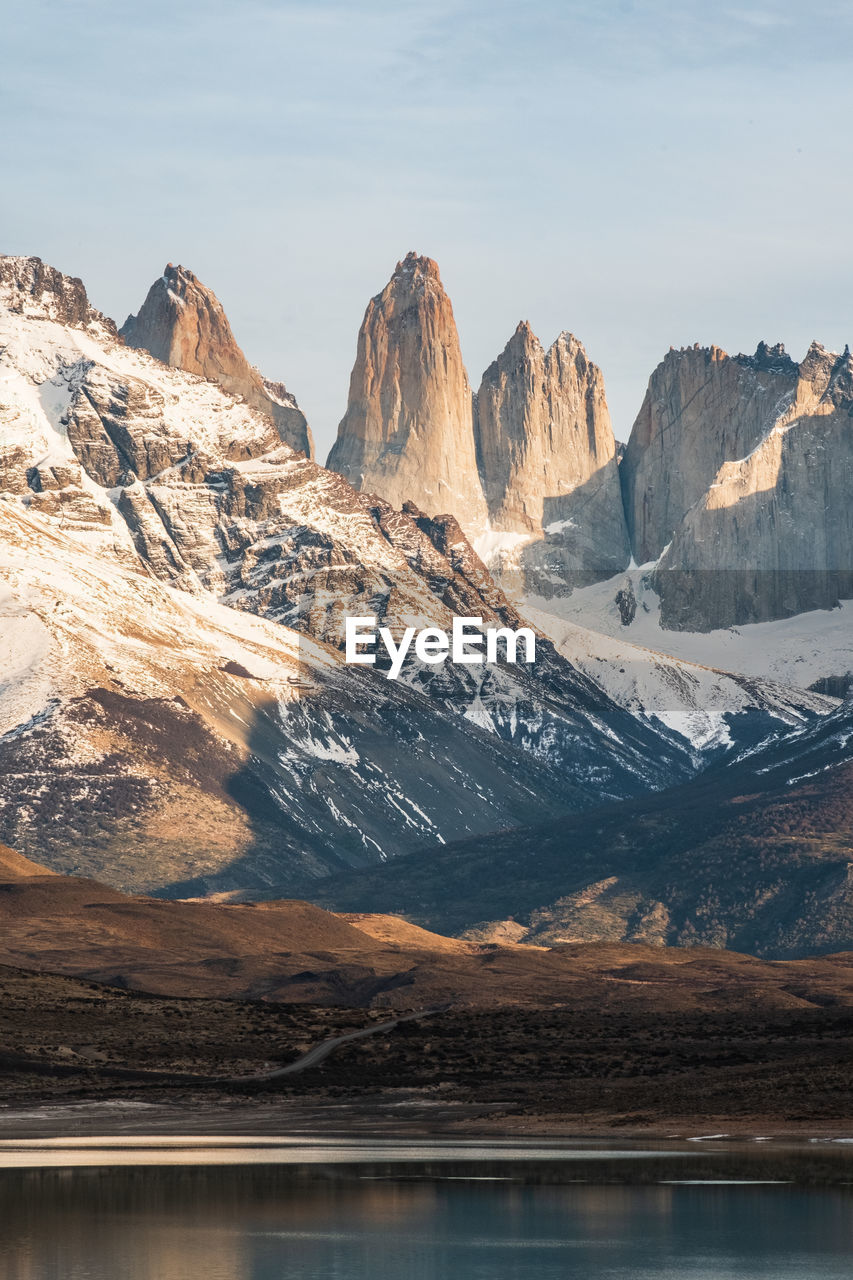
x=644 y=174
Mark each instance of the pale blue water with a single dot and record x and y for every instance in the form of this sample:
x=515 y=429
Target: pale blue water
x=372 y=1224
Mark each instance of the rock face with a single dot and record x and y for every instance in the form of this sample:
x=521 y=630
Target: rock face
x=407 y=432
x=548 y=461
x=182 y=323
x=773 y=535
x=28 y=287
x=528 y=465
x=702 y=408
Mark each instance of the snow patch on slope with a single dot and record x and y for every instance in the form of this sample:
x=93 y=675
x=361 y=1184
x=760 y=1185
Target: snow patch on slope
x=694 y=700
x=24 y=646
x=790 y=651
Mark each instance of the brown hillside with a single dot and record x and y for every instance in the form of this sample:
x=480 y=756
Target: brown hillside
x=297 y=953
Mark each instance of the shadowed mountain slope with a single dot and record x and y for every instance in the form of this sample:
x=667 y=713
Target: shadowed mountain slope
x=294 y=952
x=755 y=857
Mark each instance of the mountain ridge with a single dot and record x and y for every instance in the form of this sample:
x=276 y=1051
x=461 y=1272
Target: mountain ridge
x=175 y=579
x=754 y=855
x=152 y=509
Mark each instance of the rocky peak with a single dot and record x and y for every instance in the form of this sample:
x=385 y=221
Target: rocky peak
x=824 y=384
x=702 y=408
x=825 y=373
x=774 y=359
x=772 y=536
x=841 y=382
x=183 y=323
x=523 y=345
x=407 y=433
x=29 y=287
x=548 y=459
x=817 y=365
x=421 y=271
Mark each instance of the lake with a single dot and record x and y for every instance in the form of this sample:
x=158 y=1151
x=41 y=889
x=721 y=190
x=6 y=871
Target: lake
x=255 y=1209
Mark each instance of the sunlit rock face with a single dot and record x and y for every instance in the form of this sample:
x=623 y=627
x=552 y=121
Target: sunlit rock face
x=407 y=433
x=702 y=408
x=527 y=467
x=773 y=534
x=548 y=464
x=182 y=323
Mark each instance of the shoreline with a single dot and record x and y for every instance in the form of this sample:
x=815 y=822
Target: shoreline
x=382 y=1119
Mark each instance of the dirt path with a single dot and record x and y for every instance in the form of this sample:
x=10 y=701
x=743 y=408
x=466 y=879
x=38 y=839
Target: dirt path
x=319 y=1053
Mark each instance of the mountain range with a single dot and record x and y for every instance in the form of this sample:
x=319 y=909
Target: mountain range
x=733 y=487
x=176 y=716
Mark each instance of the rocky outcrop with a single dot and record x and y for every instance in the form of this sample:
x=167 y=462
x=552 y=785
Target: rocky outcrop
x=116 y=427
x=32 y=293
x=16 y=456
x=156 y=549
x=182 y=323
x=548 y=462
x=407 y=432
x=702 y=408
x=29 y=287
x=626 y=603
x=773 y=535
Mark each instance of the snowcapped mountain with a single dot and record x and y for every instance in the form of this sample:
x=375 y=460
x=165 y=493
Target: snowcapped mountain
x=154 y=738
x=175 y=579
x=176 y=715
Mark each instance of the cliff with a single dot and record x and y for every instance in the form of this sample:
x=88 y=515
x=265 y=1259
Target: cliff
x=407 y=431
x=773 y=534
x=702 y=408
x=548 y=461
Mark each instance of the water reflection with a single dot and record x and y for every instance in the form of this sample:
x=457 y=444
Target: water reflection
x=329 y=1223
